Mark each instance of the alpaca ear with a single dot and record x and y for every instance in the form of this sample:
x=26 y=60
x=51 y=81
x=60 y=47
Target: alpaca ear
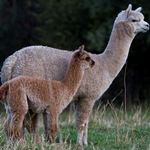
x=81 y=48
x=139 y=9
x=128 y=10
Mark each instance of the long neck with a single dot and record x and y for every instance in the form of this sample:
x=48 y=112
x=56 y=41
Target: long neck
x=118 y=46
x=73 y=77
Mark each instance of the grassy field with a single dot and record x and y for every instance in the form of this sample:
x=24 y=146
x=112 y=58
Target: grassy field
x=110 y=128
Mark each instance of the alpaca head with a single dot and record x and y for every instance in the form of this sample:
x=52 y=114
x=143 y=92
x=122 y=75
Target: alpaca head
x=134 y=18
x=83 y=58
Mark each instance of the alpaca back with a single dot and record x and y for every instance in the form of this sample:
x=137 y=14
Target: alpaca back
x=44 y=59
x=51 y=64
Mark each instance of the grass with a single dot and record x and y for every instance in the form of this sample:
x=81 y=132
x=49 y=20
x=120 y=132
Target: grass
x=110 y=128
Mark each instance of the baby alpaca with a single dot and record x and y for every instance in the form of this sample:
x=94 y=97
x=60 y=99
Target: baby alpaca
x=41 y=96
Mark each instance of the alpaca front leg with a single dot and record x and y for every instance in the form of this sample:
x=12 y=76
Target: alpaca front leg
x=51 y=126
x=85 y=133
x=84 y=108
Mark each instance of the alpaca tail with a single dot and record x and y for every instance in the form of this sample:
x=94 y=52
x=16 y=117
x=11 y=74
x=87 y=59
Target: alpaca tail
x=3 y=91
x=6 y=70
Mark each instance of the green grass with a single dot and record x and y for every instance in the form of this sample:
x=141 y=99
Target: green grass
x=110 y=128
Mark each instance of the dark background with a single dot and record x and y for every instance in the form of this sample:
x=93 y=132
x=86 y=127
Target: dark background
x=66 y=24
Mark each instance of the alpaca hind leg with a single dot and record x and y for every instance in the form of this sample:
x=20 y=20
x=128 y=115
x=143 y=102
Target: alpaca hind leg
x=7 y=123
x=46 y=124
x=84 y=108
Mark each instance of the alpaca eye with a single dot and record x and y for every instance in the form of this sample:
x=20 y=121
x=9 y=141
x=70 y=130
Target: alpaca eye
x=87 y=58
x=134 y=20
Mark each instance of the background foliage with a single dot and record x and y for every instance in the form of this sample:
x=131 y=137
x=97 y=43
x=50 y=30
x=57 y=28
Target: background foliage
x=67 y=24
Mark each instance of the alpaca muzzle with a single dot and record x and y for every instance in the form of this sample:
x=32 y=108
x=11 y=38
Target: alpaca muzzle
x=146 y=27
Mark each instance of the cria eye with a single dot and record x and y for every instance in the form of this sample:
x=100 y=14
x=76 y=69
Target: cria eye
x=87 y=58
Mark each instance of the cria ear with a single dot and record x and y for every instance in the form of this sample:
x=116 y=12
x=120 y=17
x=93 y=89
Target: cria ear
x=138 y=9
x=80 y=51
x=128 y=10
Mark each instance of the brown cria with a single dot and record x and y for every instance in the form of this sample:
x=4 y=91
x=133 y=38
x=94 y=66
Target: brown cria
x=25 y=93
x=49 y=63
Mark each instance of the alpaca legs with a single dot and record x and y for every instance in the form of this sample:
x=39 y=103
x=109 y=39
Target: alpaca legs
x=84 y=108
x=50 y=124
x=7 y=123
x=46 y=124
x=85 y=134
x=31 y=122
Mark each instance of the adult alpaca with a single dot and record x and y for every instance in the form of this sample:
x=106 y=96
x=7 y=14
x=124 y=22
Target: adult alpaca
x=23 y=93
x=51 y=64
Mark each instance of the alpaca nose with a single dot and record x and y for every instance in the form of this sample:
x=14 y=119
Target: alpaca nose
x=147 y=26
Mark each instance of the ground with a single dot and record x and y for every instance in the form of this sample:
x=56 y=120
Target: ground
x=110 y=128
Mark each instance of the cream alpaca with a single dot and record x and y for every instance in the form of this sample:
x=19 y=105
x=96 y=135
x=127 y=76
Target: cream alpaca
x=49 y=97
x=51 y=64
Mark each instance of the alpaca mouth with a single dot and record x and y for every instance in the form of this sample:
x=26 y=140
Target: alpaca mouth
x=145 y=29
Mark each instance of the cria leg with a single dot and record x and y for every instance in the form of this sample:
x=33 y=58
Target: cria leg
x=16 y=113
x=84 y=108
x=51 y=125
x=15 y=128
